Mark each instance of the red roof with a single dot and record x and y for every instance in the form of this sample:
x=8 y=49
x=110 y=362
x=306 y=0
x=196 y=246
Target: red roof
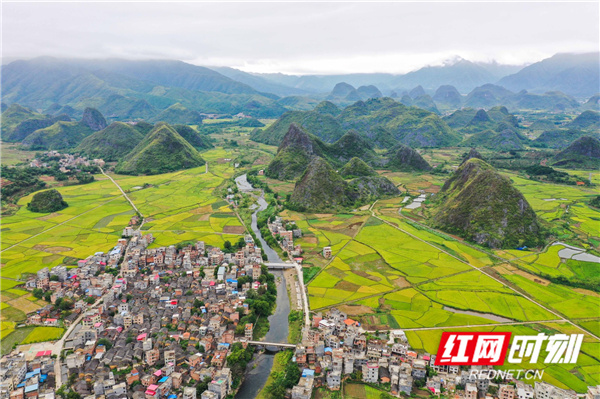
x=43 y=353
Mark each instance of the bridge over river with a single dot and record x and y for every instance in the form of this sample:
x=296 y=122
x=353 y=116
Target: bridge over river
x=279 y=266
x=276 y=344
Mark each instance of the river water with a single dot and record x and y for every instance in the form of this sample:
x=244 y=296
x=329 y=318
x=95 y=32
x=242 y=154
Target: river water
x=260 y=368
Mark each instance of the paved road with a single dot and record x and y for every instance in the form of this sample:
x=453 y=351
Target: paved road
x=120 y=189
x=299 y=271
x=59 y=345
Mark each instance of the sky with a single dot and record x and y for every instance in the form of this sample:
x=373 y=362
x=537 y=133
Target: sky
x=302 y=38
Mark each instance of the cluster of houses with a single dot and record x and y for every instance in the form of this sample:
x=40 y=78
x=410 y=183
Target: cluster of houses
x=279 y=229
x=164 y=319
x=66 y=162
x=27 y=377
x=336 y=348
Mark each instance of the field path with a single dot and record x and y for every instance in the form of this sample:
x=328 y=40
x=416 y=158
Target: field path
x=516 y=323
x=341 y=249
x=125 y=195
x=562 y=318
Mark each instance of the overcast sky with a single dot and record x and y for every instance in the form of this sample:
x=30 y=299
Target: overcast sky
x=303 y=38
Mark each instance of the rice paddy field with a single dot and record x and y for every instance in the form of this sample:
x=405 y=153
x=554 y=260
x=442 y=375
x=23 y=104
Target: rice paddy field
x=95 y=218
x=27 y=335
x=40 y=334
x=565 y=208
x=12 y=155
x=180 y=206
x=361 y=391
x=388 y=269
x=183 y=206
x=15 y=304
x=324 y=230
x=398 y=273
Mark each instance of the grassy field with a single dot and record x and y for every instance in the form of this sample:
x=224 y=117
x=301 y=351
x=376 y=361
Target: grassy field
x=12 y=155
x=15 y=337
x=40 y=334
x=183 y=206
x=564 y=208
x=93 y=221
x=323 y=230
x=361 y=391
x=401 y=278
x=16 y=303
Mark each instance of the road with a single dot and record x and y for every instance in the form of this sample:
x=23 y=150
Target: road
x=58 y=346
x=303 y=294
x=126 y=197
x=516 y=323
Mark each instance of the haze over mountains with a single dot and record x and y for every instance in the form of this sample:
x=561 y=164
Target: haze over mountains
x=175 y=91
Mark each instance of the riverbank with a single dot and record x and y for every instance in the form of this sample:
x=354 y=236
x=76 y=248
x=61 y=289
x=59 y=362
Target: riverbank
x=260 y=368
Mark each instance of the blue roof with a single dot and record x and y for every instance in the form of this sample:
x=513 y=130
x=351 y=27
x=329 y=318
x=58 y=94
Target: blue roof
x=327 y=349
x=21 y=385
x=308 y=372
x=165 y=378
x=172 y=396
x=31 y=388
x=32 y=373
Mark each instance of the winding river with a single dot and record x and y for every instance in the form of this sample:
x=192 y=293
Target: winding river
x=260 y=367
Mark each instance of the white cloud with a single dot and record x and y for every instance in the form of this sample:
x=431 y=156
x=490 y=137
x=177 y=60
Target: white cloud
x=302 y=37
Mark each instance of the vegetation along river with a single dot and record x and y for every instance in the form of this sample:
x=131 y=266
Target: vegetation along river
x=260 y=367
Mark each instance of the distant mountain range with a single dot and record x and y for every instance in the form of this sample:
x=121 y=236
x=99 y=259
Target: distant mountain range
x=573 y=74
x=123 y=89
x=179 y=92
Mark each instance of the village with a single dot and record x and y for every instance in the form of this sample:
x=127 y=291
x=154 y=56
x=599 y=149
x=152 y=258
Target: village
x=150 y=323
x=66 y=162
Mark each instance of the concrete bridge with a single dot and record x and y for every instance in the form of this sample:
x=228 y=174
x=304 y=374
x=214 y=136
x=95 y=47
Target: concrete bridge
x=279 y=266
x=277 y=344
